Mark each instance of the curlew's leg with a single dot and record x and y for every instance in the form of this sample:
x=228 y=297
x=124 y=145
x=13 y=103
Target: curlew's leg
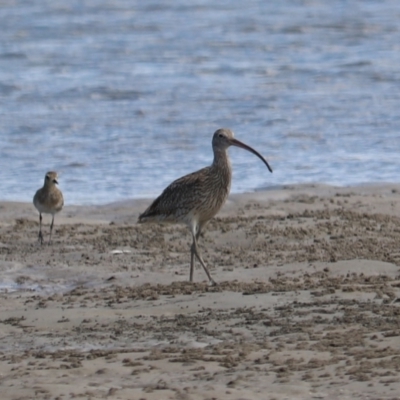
x=192 y=255
x=191 y=262
x=40 y=229
x=51 y=228
x=194 y=250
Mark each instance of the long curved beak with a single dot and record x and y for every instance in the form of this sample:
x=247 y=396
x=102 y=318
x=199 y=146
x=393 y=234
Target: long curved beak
x=238 y=143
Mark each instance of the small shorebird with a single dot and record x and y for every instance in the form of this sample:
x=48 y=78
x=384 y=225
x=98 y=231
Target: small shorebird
x=196 y=198
x=48 y=200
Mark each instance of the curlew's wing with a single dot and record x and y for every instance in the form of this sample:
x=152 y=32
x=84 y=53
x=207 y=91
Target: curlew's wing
x=177 y=199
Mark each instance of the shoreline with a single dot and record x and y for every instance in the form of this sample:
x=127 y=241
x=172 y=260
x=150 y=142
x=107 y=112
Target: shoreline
x=272 y=188
x=70 y=213
x=306 y=306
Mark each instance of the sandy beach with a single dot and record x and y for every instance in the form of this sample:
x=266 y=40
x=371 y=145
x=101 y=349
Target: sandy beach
x=306 y=307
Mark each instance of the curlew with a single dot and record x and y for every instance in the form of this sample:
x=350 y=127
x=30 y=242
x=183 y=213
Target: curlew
x=197 y=197
x=48 y=200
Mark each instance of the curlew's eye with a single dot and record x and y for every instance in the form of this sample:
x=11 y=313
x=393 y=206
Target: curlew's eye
x=220 y=135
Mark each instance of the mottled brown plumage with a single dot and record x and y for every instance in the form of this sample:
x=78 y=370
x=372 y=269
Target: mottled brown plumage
x=196 y=198
x=48 y=200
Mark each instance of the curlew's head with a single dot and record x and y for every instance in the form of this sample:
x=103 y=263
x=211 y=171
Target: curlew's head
x=223 y=138
x=51 y=178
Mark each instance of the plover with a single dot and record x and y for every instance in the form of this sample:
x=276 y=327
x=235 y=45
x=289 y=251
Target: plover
x=48 y=200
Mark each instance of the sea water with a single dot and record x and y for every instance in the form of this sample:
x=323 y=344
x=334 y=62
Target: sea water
x=122 y=97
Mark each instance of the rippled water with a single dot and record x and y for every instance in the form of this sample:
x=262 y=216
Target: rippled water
x=122 y=96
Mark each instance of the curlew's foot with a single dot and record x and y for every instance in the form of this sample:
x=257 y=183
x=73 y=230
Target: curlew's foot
x=213 y=283
x=40 y=237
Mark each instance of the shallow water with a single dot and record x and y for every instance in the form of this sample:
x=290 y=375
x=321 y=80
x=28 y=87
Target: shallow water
x=123 y=97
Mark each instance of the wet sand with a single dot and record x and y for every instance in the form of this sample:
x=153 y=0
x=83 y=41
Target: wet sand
x=306 y=307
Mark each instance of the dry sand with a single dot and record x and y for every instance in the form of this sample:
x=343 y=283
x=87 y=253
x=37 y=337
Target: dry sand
x=306 y=307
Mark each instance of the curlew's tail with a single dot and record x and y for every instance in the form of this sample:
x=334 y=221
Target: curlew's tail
x=149 y=214
x=155 y=212
x=142 y=218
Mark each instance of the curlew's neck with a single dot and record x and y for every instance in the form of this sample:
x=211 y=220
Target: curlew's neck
x=222 y=165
